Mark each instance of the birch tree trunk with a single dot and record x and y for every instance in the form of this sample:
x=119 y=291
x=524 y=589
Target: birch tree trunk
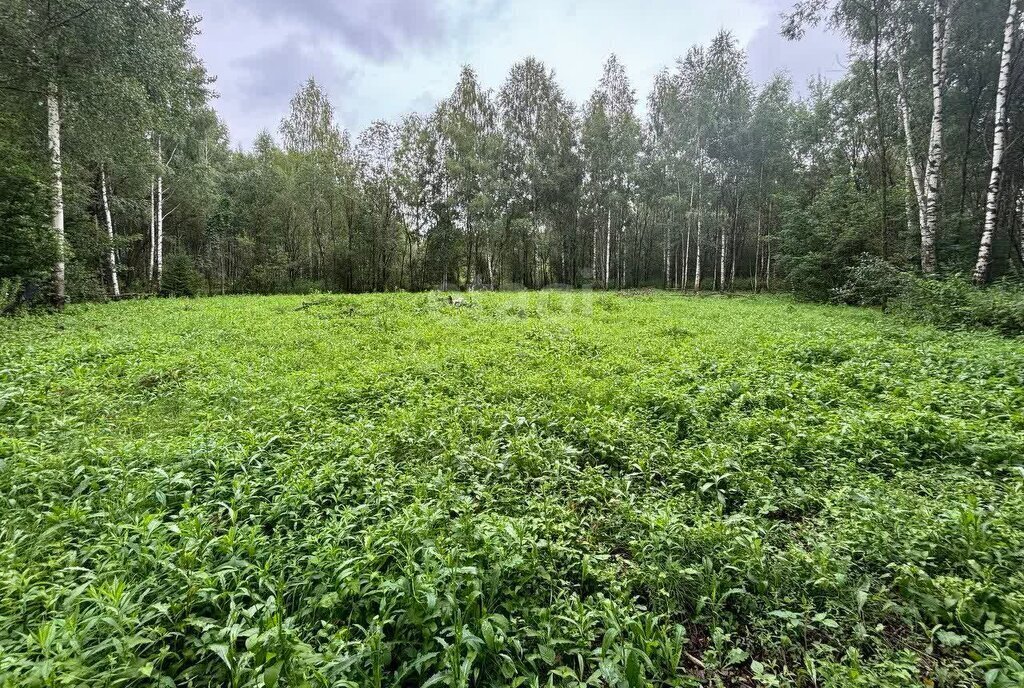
x=940 y=51
x=1020 y=214
x=57 y=200
x=668 y=257
x=152 y=228
x=111 y=254
x=700 y=213
x=686 y=243
x=768 y=246
x=697 y=257
x=911 y=192
x=608 y=249
x=983 y=265
x=908 y=133
x=159 y=214
x=913 y=171
x=757 y=236
x=722 y=241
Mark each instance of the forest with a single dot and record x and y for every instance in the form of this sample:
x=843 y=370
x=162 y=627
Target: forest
x=716 y=385
x=118 y=179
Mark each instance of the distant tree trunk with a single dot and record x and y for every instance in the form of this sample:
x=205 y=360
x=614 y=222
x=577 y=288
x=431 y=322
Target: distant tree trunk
x=470 y=265
x=984 y=263
x=111 y=253
x=152 y=228
x=57 y=194
x=620 y=240
x=700 y=215
x=697 y=269
x=668 y=256
x=734 y=236
x=1020 y=216
x=686 y=241
x=757 y=236
x=768 y=247
x=159 y=214
x=608 y=248
x=732 y=257
x=940 y=50
x=722 y=248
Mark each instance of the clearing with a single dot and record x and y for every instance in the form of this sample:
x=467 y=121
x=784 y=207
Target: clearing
x=528 y=489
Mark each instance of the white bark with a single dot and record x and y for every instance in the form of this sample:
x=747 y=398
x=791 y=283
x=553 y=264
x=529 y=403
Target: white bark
x=593 y=257
x=700 y=212
x=1020 y=217
x=913 y=170
x=57 y=200
x=984 y=263
x=723 y=242
x=697 y=268
x=159 y=215
x=757 y=236
x=608 y=249
x=940 y=51
x=911 y=191
x=668 y=257
x=757 y=249
x=111 y=254
x=768 y=247
x=152 y=228
x=686 y=242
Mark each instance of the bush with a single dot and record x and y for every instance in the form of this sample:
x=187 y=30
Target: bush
x=10 y=287
x=872 y=281
x=950 y=303
x=955 y=303
x=180 y=277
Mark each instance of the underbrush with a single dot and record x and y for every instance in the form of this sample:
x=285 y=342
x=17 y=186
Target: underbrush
x=951 y=302
x=512 y=490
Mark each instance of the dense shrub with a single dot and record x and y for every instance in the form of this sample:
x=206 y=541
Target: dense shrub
x=951 y=302
x=872 y=281
x=956 y=303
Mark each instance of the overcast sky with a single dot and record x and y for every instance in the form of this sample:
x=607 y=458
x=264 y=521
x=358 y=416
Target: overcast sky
x=379 y=59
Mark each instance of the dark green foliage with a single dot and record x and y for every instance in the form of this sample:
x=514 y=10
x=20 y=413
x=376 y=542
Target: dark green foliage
x=954 y=302
x=950 y=303
x=27 y=248
x=181 y=278
x=871 y=281
x=822 y=238
x=523 y=490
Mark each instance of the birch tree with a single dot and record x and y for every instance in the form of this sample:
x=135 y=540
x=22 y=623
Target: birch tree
x=109 y=64
x=984 y=262
x=109 y=224
x=467 y=121
x=941 y=24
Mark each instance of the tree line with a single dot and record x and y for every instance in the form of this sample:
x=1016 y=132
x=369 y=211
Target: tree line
x=117 y=177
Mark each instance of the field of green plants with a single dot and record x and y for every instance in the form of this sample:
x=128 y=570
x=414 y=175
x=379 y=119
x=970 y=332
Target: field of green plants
x=546 y=489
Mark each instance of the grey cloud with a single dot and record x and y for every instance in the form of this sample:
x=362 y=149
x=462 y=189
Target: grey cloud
x=821 y=52
x=375 y=29
x=271 y=76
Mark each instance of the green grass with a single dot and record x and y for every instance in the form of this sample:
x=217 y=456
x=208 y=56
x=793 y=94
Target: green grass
x=534 y=489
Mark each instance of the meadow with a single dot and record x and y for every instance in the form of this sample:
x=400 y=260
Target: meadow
x=543 y=489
